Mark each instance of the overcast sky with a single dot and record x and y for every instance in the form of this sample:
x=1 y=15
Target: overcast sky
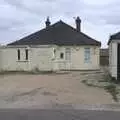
x=19 y=18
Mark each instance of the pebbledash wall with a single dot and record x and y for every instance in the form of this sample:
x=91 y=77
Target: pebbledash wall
x=48 y=58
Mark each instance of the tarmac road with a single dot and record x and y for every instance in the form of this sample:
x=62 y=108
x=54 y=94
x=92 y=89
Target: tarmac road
x=22 y=114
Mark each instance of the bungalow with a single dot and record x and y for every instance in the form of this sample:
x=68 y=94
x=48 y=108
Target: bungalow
x=56 y=47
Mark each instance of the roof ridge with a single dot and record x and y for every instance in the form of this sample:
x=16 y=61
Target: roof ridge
x=116 y=33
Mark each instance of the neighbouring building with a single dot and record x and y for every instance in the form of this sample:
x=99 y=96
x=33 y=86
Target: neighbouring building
x=56 y=47
x=114 y=55
x=104 y=57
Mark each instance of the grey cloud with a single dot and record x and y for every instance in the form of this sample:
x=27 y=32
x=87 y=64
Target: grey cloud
x=14 y=2
x=93 y=13
x=7 y=24
x=107 y=14
x=48 y=7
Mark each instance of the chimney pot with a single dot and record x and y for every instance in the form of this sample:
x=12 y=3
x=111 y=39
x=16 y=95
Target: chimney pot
x=47 y=22
x=78 y=24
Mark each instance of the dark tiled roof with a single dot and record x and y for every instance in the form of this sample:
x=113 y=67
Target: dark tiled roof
x=115 y=36
x=59 y=33
x=104 y=52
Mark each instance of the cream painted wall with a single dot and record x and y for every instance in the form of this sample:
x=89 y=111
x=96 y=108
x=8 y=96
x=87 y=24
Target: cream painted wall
x=113 y=58
x=43 y=58
x=38 y=58
x=77 y=58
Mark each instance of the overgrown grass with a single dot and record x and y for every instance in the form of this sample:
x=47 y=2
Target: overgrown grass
x=109 y=78
x=113 y=91
x=110 y=85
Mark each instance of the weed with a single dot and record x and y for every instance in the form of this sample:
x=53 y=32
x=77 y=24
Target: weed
x=112 y=90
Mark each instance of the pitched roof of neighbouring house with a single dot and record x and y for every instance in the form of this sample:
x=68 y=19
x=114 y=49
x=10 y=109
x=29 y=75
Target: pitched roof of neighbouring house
x=59 y=33
x=115 y=36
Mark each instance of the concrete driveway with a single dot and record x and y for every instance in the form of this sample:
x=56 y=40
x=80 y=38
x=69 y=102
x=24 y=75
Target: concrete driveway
x=19 y=91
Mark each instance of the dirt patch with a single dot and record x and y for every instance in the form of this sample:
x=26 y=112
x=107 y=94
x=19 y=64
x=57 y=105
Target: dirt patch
x=35 y=90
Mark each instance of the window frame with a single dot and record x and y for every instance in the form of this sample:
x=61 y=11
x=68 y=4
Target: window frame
x=68 y=54
x=87 y=55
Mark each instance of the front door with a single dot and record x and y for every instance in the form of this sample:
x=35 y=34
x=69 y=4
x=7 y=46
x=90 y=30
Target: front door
x=118 y=62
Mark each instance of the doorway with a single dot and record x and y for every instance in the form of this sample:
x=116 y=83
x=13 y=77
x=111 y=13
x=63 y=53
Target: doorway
x=118 y=62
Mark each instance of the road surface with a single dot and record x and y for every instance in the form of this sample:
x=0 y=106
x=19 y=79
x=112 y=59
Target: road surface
x=58 y=115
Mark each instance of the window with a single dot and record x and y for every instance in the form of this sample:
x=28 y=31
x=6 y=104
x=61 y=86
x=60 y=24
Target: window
x=87 y=55
x=26 y=53
x=61 y=55
x=68 y=54
x=18 y=53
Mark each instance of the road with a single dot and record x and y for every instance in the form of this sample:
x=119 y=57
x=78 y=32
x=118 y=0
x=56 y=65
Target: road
x=21 y=114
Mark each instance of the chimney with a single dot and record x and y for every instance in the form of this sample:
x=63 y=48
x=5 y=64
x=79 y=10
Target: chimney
x=78 y=24
x=47 y=22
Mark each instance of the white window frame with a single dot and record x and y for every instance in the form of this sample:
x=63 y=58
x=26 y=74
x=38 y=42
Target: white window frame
x=87 y=55
x=68 y=54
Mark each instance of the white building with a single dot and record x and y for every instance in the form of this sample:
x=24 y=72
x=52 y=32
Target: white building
x=56 y=47
x=114 y=55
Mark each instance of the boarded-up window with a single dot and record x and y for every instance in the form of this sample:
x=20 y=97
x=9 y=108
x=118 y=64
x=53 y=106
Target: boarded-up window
x=68 y=54
x=18 y=53
x=26 y=53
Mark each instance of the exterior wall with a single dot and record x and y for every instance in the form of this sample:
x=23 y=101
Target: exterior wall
x=39 y=58
x=110 y=58
x=104 y=60
x=77 y=58
x=0 y=59
x=10 y=61
x=104 y=57
x=47 y=58
x=113 y=58
x=42 y=58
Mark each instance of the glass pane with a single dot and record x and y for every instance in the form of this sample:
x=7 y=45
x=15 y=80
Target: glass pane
x=87 y=55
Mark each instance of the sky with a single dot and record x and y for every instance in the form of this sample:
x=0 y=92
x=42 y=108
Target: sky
x=19 y=18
